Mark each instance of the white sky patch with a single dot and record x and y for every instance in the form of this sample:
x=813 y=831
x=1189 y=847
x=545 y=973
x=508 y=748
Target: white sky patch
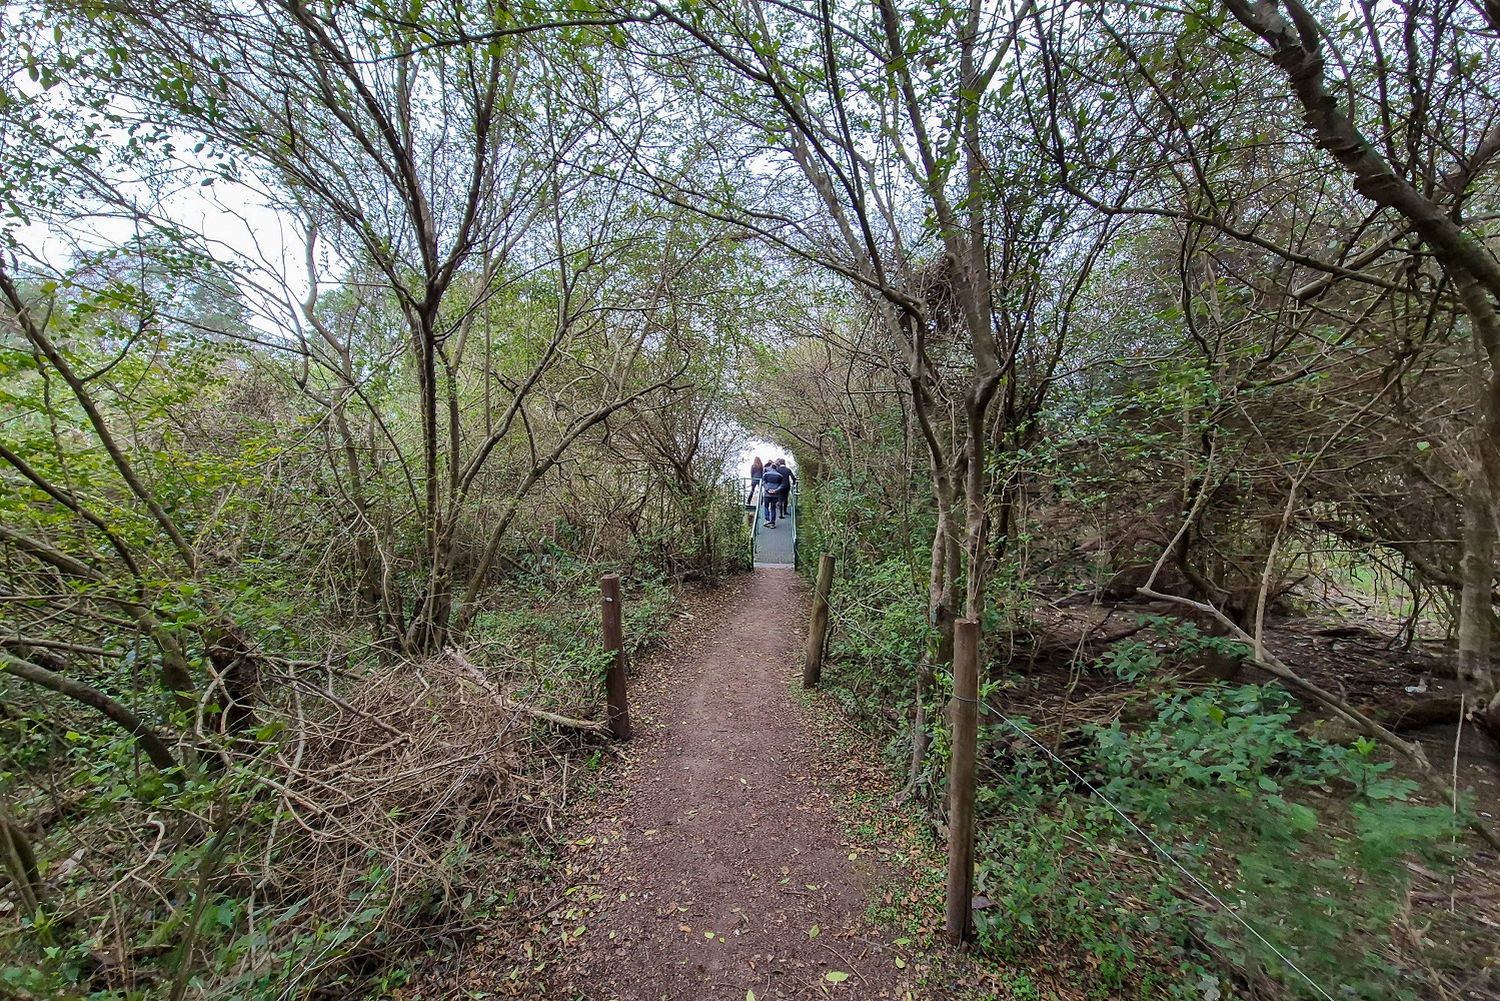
x=750 y=448
x=233 y=222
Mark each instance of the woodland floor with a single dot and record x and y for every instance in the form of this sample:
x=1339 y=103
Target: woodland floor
x=716 y=855
x=1409 y=687
x=722 y=850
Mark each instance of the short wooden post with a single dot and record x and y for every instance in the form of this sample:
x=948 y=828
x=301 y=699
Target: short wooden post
x=817 y=630
x=614 y=641
x=964 y=718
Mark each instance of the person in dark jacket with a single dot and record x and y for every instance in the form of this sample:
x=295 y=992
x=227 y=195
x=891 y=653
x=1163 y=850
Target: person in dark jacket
x=788 y=480
x=757 y=468
x=772 y=483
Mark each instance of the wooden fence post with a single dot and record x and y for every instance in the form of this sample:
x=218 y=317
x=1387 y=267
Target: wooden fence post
x=964 y=717
x=817 y=630
x=614 y=641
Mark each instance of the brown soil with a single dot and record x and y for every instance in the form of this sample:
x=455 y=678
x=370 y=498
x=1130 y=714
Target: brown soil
x=719 y=853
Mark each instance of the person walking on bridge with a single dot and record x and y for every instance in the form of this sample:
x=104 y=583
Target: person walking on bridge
x=757 y=469
x=772 y=483
x=788 y=480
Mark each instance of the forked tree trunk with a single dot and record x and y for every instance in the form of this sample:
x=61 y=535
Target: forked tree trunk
x=18 y=859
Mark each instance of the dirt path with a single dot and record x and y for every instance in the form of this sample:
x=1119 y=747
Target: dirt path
x=721 y=852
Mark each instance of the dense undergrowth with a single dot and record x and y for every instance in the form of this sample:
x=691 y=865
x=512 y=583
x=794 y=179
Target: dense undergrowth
x=1160 y=833
x=381 y=810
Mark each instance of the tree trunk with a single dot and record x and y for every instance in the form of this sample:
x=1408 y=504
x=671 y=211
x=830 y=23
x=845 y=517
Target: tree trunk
x=20 y=861
x=428 y=628
x=940 y=611
x=1476 y=670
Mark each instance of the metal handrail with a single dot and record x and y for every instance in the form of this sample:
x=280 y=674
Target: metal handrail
x=791 y=506
x=756 y=503
x=754 y=522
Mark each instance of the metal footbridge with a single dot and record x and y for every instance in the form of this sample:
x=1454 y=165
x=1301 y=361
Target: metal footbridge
x=773 y=548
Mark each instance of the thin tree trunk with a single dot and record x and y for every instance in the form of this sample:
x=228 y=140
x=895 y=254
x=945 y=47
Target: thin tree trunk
x=941 y=604
x=20 y=860
x=1476 y=669
x=927 y=666
x=427 y=629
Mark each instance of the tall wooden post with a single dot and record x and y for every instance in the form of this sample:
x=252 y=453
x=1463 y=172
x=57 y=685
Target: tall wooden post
x=964 y=717
x=614 y=641
x=817 y=630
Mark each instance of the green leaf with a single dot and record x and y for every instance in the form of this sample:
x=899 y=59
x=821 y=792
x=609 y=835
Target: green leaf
x=1301 y=818
x=835 y=976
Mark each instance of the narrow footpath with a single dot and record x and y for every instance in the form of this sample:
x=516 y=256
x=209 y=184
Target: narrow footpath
x=720 y=870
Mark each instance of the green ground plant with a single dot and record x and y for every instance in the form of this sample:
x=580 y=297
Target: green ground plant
x=1306 y=841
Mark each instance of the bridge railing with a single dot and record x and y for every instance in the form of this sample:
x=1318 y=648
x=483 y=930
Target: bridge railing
x=755 y=503
x=745 y=494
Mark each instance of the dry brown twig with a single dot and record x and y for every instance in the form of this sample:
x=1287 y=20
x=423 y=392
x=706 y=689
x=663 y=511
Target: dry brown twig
x=475 y=675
